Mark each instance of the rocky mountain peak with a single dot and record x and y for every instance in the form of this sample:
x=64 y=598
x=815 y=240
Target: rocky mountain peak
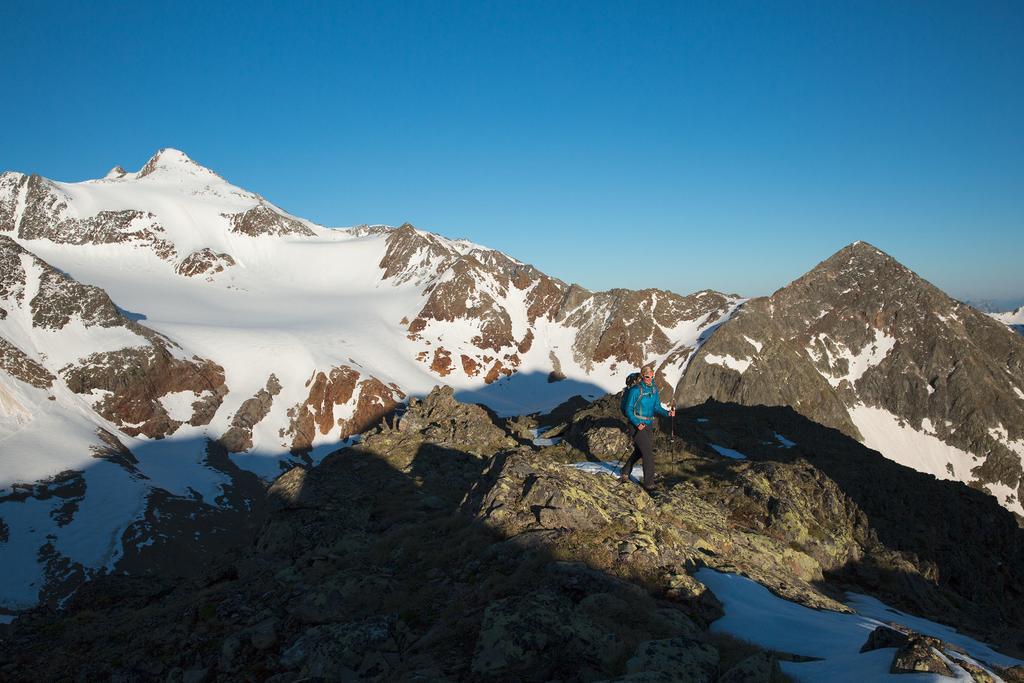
x=857 y=259
x=170 y=160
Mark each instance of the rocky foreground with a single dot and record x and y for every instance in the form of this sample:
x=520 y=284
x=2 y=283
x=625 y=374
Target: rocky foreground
x=446 y=546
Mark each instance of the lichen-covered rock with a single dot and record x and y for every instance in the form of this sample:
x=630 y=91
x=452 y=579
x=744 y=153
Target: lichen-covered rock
x=761 y=667
x=442 y=420
x=1013 y=674
x=517 y=634
x=357 y=650
x=920 y=654
x=608 y=443
x=686 y=661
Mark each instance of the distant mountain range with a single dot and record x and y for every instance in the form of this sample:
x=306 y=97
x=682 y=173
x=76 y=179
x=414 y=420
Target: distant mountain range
x=170 y=342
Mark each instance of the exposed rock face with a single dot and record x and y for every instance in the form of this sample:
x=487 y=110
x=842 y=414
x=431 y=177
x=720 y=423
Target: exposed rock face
x=16 y=363
x=366 y=401
x=408 y=557
x=628 y=326
x=265 y=220
x=204 y=262
x=137 y=378
x=46 y=213
x=238 y=438
x=862 y=330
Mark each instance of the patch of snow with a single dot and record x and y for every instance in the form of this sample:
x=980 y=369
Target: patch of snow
x=927 y=427
x=1020 y=394
x=740 y=365
x=7 y=618
x=614 y=469
x=728 y=452
x=899 y=442
x=1007 y=497
x=756 y=344
x=786 y=443
x=754 y=614
x=859 y=362
x=178 y=404
x=1010 y=318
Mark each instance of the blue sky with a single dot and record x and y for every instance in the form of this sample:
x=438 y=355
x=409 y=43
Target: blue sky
x=729 y=145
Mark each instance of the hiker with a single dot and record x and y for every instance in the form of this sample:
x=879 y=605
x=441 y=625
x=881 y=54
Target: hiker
x=640 y=404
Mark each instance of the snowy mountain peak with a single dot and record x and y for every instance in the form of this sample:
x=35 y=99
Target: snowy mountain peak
x=115 y=173
x=173 y=161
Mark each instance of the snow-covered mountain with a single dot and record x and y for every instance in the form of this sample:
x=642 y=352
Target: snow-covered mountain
x=1012 y=319
x=862 y=344
x=164 y=333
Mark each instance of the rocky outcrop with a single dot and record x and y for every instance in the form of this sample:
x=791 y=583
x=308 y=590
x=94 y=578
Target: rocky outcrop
x=204 y=262
x=362 y=403
x=238 y=438
x=16 y=363
x=920 y=654
x=440 y=419
x=265 y=220
x=134 y=380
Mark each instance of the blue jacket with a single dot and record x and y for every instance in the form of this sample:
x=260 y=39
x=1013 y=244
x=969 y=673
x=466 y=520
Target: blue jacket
x=644 y=403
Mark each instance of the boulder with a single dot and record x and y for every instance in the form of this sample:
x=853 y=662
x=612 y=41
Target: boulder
x=920 y=654
x=608 y=443
x=882 y=637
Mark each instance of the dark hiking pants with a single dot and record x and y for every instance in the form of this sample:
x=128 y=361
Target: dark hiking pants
x=642 y=449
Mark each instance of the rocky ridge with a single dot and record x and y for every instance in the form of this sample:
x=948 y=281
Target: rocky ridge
x=442 y=547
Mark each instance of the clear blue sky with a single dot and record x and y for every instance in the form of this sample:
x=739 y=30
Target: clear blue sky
x=677 y=145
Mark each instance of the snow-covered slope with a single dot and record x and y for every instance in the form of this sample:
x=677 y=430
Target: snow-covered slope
x=193 y=317
x=1013 y=319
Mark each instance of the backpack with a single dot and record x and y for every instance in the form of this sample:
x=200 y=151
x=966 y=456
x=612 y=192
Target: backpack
x=631 y=381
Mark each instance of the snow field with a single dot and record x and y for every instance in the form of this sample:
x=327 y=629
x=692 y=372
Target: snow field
x=754 y=614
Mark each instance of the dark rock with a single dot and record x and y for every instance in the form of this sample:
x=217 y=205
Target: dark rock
x=883 y=637
x=761 y=667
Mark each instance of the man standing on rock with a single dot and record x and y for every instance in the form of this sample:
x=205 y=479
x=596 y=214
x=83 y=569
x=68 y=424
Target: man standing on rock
x=641 y=405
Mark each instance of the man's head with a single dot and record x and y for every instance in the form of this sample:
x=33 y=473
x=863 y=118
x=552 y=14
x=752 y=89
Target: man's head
x=647 y=374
